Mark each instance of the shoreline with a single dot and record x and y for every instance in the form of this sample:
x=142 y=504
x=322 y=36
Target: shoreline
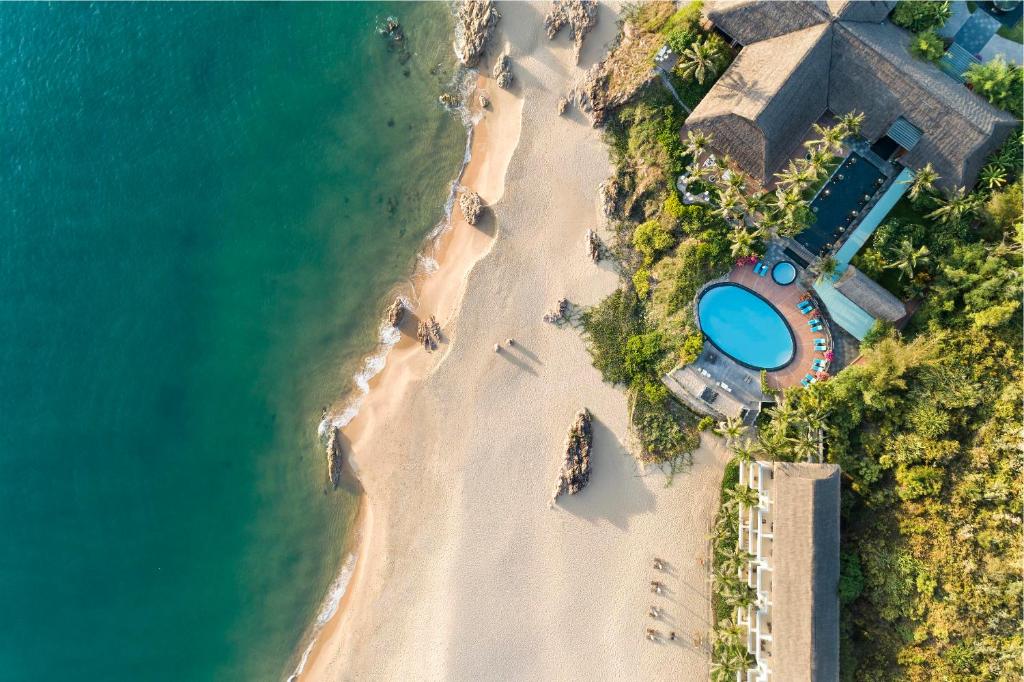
x=451 y=250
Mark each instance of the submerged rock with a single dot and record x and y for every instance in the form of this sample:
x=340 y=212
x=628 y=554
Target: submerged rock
x=474 y=22
x=448 y=99
x=575 y=473
x=395 y=312
x=471 y=206
x=334 y=460
x=502 y=72
x=579 y=15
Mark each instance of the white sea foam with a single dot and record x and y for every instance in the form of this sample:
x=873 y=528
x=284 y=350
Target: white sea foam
x=335 y=593
x=427 y=264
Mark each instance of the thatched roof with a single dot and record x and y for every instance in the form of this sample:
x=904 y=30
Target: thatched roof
x=860 y=10
x=869 y=295
x=873 y=72
x=760 y=108
x=868 y=68
x=751 y=21
x=805 y=572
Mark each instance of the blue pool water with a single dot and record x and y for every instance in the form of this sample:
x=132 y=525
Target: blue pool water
x=844 y=193
x=784 y=273
x=745 y=327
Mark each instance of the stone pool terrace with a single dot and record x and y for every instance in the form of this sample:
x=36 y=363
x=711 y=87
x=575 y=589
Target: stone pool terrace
x=785 y=298
x=715 y=384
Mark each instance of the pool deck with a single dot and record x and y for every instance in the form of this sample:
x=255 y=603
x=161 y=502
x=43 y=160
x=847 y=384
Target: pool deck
x=785 y=298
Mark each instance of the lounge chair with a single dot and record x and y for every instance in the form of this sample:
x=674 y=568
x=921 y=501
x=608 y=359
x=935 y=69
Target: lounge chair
x=814 y=321
x=757 y=267
x=816 y=328
x=805 y=382
x=806 y=311
x=764 y=270
x=818 y=365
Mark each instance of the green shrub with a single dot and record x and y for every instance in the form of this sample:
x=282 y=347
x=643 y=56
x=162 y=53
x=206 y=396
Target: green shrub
x=705 y=424
x=928 y=46
x=921 y=15
x=606 y=325
x=673 y=207
x=692 y=346
x=1000 y=82
x=644 y=353
x=851 y=577
x=642 y=282
x=881 y=329
x=652 y=239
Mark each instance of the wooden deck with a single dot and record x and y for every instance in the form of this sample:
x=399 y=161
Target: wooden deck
x=785 y=298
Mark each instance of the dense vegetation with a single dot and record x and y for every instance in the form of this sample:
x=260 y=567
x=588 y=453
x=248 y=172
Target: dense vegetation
x=921 y=15
x=1000 y=82
x=925 y=426
x=666 y=250
x=927 y=431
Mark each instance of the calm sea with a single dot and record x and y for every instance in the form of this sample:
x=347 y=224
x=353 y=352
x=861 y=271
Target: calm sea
x=201 y=208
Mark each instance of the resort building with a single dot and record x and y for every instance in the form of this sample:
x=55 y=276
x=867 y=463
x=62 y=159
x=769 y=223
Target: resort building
x=793 y=538
x=802 y=60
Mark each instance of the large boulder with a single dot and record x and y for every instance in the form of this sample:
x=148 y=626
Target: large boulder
x=579 y=15
x=575 y=473
x=502 y=72
x=395 y=312
x=334 y=459
x=474 y=22
x=471 y=205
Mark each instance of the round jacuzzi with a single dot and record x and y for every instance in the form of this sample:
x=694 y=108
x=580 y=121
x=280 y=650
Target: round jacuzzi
x=784 y=273
x=745 y=326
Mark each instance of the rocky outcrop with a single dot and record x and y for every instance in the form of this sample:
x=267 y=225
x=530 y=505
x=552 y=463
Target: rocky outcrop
x=609 y=192
x=395 y=312
x=471 y=205
x=448 y=99
x=474 y=22
x=485 y=100
x=617 y=78
x=334 y=460
x=429 y=333
x=575 y=471
x=563 y=104
x=579 y=15
x=561 y=311
x=502 y=72
x=595 y=249
x=424 y=337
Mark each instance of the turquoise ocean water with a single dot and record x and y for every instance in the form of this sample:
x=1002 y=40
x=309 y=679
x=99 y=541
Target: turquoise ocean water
x=201 y=208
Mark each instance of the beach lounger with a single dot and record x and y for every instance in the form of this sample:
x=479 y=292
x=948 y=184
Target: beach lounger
x=763 y=271
x=814 y=321
x=806 y=311
x=815 y=327
x=757 y=267
x=805 y=383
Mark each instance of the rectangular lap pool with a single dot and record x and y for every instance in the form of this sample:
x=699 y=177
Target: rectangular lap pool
x=837 y=201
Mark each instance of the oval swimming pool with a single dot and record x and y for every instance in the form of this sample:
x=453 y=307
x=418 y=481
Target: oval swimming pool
x=784 y=272
x=745 y=326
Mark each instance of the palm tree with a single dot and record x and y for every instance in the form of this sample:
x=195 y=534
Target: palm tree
x=959 y=205
x=758 y=202
x=993 y=176
x=742 y=242
x=696 y=143
x=729 y=203
x=731 y=429
x=851 y=123
x=794 y=177
x=741 y=494
x=744 y=451
x=907 y=258
x=830 y=138
x=922 y=182
x=733 y=559
x=817 y=162
x=702 y=59
x=803 y=448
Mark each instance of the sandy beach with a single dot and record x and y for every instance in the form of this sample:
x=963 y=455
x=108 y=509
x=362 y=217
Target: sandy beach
x=465 y=571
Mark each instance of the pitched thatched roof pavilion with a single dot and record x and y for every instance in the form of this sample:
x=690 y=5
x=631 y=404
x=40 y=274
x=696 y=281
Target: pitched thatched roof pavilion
x=805 y=572
x=806 y=57
x=871 y=296
x=793 y=537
